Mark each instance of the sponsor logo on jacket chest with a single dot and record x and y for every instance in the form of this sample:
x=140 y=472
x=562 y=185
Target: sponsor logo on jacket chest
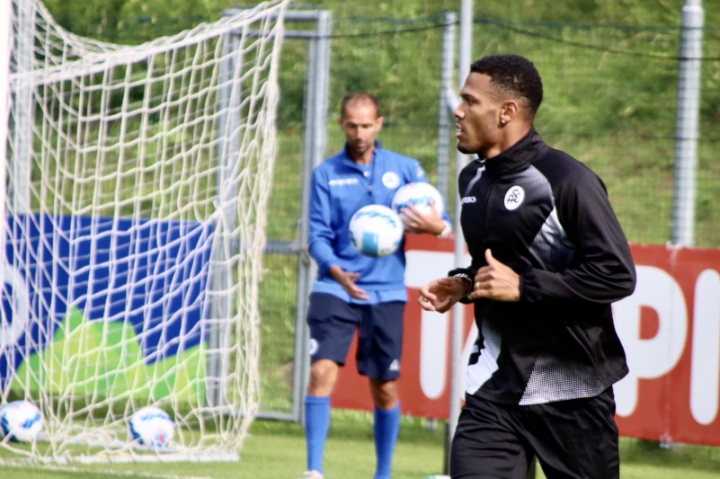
x=343 y=181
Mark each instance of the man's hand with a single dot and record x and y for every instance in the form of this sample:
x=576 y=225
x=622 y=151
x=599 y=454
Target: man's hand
x=347 y=280
x=419 y=222
x=441 y=294
x=496 y=281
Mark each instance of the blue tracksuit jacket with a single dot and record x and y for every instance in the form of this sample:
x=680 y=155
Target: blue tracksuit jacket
x=340 y=187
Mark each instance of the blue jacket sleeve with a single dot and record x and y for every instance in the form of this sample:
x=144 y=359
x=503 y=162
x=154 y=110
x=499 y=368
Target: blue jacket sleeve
x=321 y=236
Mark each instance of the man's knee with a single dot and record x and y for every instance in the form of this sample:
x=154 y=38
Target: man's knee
x=323 y=376
x=384 y=393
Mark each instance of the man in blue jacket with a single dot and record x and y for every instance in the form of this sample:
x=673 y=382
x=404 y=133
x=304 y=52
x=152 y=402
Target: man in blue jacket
x=353 y=291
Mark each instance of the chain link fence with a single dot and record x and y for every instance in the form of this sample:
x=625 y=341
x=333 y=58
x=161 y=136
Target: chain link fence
x=610 y=101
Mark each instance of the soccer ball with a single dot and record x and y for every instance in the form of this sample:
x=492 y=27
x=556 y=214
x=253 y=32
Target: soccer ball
x=376 y=230
x=420 y=195
x=151 y=426
x=21 y=421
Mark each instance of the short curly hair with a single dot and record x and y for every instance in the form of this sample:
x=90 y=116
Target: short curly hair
x=513 y=74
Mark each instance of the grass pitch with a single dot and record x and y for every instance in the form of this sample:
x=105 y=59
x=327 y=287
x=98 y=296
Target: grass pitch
x=276 y=450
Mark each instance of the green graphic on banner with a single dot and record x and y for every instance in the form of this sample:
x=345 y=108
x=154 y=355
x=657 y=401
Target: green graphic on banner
x=105 y=358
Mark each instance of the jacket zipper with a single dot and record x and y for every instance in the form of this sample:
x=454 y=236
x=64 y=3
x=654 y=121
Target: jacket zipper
x=488 y=203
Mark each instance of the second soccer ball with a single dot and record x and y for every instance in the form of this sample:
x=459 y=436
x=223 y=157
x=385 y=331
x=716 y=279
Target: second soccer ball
x=421 y=195
x=151 y=426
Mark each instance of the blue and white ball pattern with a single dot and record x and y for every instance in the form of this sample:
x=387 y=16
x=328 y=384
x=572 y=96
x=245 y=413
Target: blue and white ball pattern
x=152 y=427
x=376 y=230
x=21 y=421
x=421 y=195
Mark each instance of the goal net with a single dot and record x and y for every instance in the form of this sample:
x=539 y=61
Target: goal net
x=134 y=188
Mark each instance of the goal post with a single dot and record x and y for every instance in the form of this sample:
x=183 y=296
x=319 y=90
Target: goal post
x=134 y=229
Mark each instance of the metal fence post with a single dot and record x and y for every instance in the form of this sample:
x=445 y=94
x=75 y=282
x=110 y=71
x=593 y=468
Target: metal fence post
x=458 y=311
x=315 y=139
x=446 y=78
x=221 y=274
x=315 y=105
x=687 y=124
x=6 y=47
x=23 y=111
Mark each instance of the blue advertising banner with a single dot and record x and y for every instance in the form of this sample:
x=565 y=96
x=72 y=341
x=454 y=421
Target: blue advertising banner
x=140 y=284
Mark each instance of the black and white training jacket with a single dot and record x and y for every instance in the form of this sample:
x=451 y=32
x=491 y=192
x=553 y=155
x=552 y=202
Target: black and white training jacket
x=548 y=217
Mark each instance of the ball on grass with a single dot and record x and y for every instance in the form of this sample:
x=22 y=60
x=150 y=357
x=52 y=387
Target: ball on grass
x=21 y=421
x=151 y=426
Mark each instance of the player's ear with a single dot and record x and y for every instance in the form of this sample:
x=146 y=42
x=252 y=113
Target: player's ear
x=508 y=111
x=380 y=122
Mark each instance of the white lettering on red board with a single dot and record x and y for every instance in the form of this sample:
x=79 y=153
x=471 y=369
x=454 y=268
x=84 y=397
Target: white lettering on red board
x=654 y=357
x=705 y=373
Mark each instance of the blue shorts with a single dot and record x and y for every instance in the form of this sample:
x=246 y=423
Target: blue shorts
x=332 y=324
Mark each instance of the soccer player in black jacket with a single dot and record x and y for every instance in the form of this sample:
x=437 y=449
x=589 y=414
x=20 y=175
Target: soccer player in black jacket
x=548 y=259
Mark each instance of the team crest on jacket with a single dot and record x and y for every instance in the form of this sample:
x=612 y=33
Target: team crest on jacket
x=514 y=197
x=391 y=180
x=313 y=346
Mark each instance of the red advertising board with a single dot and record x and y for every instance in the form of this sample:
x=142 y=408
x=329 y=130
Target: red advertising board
x=670 y=328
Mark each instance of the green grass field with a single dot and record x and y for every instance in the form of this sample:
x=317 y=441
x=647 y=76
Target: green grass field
x=276 y=450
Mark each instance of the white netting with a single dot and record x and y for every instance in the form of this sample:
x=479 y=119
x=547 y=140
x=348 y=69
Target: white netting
x=138 y=179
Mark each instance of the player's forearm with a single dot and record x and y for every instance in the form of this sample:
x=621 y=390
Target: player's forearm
x=323 y=255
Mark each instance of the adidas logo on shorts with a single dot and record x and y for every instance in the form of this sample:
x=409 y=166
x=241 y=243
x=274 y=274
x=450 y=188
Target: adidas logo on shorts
x=394 y=366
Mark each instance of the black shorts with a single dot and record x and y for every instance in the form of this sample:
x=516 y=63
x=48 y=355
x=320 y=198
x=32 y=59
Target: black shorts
x=333 y=322
x=577 y=438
